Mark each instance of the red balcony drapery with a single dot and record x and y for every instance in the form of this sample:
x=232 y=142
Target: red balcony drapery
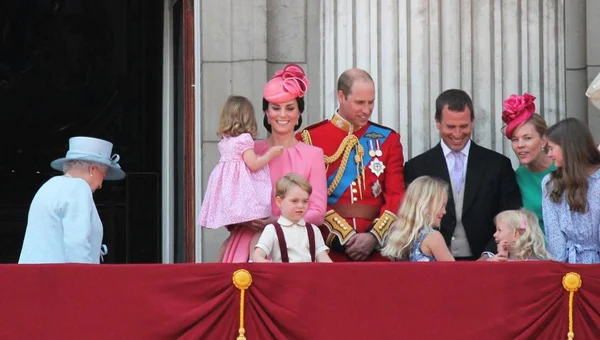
x=517 y=300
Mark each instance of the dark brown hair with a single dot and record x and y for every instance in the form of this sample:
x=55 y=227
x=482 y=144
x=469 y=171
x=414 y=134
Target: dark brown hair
x=579 y=155
x=457 y=100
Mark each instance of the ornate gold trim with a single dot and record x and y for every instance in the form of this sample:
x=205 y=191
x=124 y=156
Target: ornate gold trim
x=306 y=137
x=382 y=226
x=338 y=226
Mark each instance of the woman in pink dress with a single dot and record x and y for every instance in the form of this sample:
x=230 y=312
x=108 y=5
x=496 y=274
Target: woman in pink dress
x=283 y=104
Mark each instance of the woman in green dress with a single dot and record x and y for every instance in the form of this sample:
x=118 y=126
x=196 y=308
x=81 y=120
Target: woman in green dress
x=526 y=129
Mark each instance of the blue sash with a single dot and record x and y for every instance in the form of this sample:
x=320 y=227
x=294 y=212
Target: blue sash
x=350 y=173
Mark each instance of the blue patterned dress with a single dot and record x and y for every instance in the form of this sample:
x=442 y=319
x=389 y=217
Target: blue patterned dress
x=573 y=237
x=416 y=255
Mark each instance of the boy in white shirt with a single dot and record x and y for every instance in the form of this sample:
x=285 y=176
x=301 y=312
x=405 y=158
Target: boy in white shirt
x=291 y=239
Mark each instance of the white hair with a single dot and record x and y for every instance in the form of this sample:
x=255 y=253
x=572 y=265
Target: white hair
x=81 y=164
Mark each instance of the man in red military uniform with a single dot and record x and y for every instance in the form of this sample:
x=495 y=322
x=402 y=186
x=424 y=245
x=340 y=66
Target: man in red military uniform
x=364 y=172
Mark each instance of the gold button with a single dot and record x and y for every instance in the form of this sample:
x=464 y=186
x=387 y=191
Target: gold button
x=386 y=218
x=345 y=228
x=380 y=227
x=353 y=183
x=335 y=219
x=354 y=191
x=355 y=199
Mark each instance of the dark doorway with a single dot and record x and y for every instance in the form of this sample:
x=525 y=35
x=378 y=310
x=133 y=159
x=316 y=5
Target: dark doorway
x=83 y=68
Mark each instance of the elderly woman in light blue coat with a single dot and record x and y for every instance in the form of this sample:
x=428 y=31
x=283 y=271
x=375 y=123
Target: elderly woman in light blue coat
x=63 y=225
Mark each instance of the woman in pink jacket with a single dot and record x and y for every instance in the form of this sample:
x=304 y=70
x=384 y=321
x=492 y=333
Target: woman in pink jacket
x=283 y=104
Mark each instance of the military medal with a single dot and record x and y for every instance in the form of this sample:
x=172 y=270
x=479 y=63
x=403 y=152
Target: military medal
x=377 y=167
x=372 y=152
x=378 y=152
x=376 y=189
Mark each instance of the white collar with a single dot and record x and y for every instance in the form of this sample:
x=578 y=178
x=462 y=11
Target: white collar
x=284 y=222
x=464 y=151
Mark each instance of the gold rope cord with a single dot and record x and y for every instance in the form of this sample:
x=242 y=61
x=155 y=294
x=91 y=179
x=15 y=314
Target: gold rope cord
x=344 y=149
x=571 y=282
x=242 y=280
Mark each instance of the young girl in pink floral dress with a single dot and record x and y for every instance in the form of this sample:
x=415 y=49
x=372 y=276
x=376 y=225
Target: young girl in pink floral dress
x=239 y=188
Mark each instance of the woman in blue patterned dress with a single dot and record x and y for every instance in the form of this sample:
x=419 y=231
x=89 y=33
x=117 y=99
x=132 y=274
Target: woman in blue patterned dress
x=413 y=237
x=571 y=194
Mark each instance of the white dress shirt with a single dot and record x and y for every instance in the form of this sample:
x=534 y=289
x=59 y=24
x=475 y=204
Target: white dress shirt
x=296 y=238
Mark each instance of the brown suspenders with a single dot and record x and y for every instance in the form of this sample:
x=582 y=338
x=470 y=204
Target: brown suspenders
x=283 y=245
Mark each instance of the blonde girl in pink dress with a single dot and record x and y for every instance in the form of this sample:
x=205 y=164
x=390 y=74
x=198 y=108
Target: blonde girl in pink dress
x=239 y=187
x=283 y=104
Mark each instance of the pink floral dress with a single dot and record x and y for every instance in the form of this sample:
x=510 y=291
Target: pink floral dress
x=235 y=194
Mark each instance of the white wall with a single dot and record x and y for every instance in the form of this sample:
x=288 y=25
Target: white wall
x=415 y=49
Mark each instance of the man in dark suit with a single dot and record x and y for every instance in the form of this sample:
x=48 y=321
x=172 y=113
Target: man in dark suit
x=482 y=181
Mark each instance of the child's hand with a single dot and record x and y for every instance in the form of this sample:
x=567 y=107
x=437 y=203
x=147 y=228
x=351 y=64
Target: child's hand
x=498 y=258
x=275 y=151
x=502 y=250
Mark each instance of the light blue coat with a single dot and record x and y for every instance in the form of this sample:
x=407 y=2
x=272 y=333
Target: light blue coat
x=63 y=225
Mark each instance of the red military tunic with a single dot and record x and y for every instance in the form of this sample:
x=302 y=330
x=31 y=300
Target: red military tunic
x=366 y=194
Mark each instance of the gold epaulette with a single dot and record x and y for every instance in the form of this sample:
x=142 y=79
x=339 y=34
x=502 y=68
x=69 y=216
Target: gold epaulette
x=338 y=226
x=382 y=226
x=306 y=137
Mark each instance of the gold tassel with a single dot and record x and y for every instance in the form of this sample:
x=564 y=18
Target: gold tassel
x=242 y=280
x=571 y=282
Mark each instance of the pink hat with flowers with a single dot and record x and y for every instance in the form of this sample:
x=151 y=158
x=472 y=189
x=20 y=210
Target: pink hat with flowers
x=287 y=84
x=517 y=110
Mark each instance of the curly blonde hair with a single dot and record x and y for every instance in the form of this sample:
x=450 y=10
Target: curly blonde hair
x=423 y=198
x=530 y=243
x=237 y=117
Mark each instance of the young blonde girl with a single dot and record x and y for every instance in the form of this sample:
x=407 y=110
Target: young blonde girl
x=413 y=236
x=519 y=237
x=239 y=187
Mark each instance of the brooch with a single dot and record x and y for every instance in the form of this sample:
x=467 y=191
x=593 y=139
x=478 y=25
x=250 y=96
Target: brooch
x=377 y=167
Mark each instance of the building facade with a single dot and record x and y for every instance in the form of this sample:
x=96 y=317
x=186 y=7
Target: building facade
x=414 y=49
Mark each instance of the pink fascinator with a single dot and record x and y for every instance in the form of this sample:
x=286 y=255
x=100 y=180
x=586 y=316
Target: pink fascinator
x=517 y=109
x=286 y=84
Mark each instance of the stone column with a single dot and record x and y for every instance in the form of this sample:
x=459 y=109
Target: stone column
x=576 y=59
x=415 y=49
x=293 y=37
x=593 y=59
x=234 y=61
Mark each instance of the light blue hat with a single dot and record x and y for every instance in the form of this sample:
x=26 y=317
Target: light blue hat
x=92 y=150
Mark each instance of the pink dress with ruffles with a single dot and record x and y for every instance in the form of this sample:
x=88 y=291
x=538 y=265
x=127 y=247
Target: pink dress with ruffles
x=235 y=194
x=302 y=159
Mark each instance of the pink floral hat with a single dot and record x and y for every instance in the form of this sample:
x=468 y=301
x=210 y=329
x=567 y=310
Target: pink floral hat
x=286 y=84
x=517 y=109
